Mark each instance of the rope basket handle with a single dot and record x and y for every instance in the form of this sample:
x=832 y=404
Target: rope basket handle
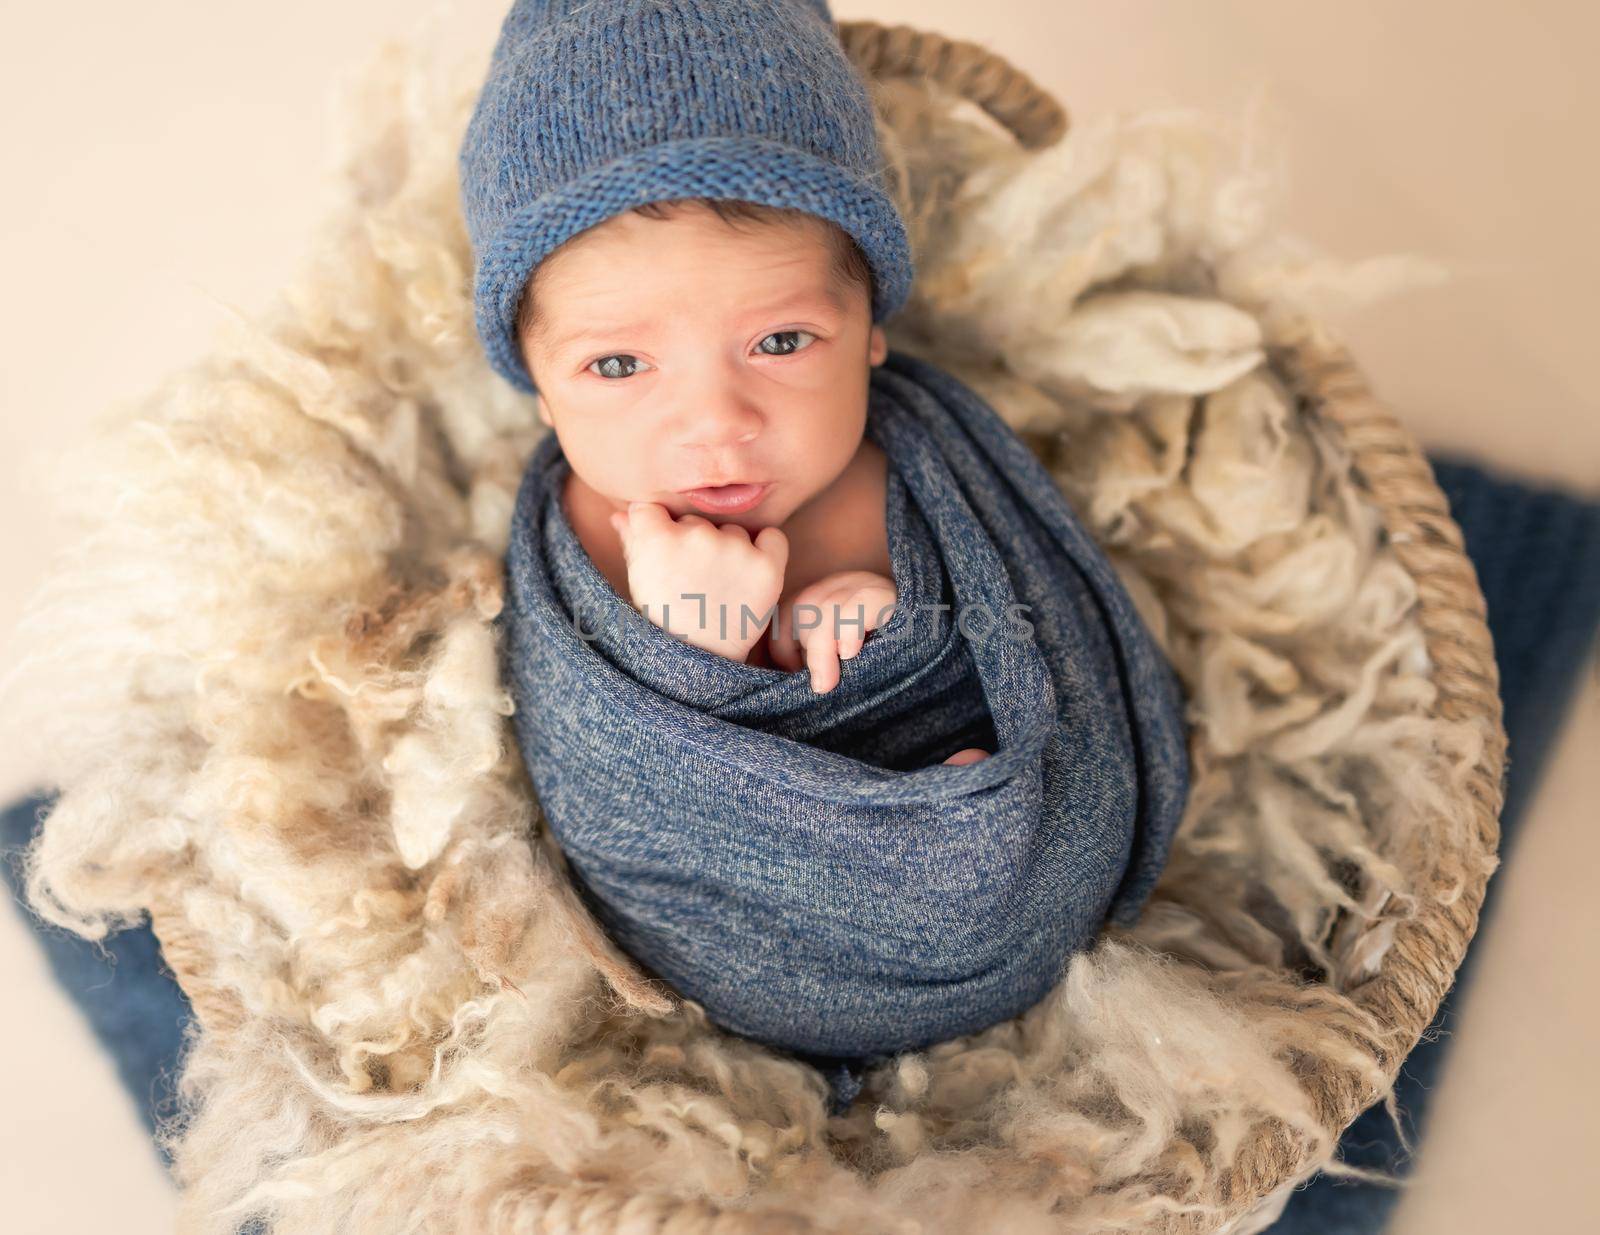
x=1008 y=94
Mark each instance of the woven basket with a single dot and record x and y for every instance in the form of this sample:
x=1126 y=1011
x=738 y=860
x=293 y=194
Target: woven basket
x=1419 y=967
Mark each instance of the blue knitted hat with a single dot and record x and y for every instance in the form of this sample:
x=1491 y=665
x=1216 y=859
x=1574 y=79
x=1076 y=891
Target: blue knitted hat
x=592 y=107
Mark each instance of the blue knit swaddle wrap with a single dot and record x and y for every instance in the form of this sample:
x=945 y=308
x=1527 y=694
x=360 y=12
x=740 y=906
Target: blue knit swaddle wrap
x=802 y=865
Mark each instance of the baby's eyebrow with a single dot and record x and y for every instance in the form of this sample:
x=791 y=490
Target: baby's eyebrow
x=587 y=331
x=826 y=296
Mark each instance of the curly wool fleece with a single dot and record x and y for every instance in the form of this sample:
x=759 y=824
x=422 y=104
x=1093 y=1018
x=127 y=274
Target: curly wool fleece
x=266 y=688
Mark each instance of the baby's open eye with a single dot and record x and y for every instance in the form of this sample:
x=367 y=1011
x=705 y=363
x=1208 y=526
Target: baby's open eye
x=610 y=369
x=620 y=365
x=788 y=349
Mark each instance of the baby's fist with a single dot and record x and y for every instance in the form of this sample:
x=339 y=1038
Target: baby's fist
x=696 y=579
x=829 y=621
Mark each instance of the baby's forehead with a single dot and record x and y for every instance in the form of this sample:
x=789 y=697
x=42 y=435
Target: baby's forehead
x=602 y=285
x=634 y=272
x=616 y=311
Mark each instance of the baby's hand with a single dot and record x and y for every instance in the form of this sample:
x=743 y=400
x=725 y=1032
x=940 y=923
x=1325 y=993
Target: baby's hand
x=851 y=603
x=691 y=577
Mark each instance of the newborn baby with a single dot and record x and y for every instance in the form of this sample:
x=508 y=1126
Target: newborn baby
x=685 y=247
x=704 y=365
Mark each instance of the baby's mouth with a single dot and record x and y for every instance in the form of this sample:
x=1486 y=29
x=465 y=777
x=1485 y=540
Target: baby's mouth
x=728 y=499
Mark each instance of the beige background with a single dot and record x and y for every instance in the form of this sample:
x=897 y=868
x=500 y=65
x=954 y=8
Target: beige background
x=164 y=157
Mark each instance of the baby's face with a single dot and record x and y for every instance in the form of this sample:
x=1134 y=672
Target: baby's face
x=679 y=353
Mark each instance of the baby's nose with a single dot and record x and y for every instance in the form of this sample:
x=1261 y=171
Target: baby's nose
x=716 y=426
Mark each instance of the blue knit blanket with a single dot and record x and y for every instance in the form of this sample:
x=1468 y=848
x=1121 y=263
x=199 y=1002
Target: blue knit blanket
x=802 y=864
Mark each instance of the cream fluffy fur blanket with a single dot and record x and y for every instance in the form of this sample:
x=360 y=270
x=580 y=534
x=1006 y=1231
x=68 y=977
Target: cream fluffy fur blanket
x=264 y=681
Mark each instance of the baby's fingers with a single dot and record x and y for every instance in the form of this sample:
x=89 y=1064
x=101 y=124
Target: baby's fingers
x=864 y=609
x=638 y=520
x=822 y=659
x=775 y=544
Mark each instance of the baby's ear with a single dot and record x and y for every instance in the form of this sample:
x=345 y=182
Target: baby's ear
x=877 y=345
x=544 y=412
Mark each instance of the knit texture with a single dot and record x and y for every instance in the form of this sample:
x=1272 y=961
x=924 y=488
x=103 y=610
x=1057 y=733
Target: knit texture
x=592 y=107
x=803 y=865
